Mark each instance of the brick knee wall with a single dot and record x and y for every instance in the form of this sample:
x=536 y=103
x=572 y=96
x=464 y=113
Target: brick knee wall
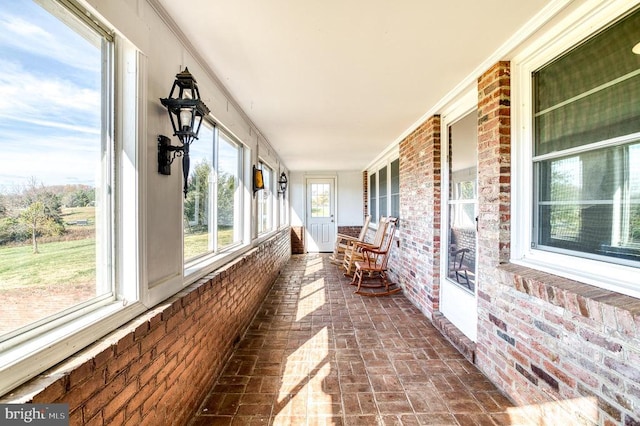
x=157 y=369
x=565 y=352
x=297 y=240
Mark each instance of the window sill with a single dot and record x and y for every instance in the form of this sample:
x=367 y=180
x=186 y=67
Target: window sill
x=201 y=267
x=612 y=309
x=25 y=360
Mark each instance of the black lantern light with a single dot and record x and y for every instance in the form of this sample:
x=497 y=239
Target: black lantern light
x=186 y=111
x=282 y=183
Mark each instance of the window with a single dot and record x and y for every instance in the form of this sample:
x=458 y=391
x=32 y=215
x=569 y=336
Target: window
x=207 y=203
x=462 y=160
x=395 y=188
x=229 y=231
x=373 y=197
x=383 y=206
x=585 y=138
x=265 y=201
x=67 y=206
x=197 y=211
x=56 y=226
x=320 y=200
x=587 y=124
x=384 y=191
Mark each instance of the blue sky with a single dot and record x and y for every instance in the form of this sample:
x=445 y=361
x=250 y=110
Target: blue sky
x=49 y=99
x=50 y=103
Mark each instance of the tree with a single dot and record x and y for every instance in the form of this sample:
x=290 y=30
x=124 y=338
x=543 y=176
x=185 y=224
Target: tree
x=38 y=222
x=226 y=191
x=3 y=206
x=80 y=198
x=196 y=205
x=52 y=202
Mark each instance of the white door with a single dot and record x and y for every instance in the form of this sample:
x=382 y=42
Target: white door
x=458 y=300
x=321 y=225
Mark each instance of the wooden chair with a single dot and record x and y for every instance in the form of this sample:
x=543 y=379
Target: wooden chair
x=373 y=266
x=458 y=269
x=343 y=242
x=354 y=252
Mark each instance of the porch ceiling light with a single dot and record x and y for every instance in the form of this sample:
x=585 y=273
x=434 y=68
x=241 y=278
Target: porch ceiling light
x=282 y=183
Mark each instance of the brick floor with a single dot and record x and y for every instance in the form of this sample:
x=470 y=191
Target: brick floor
x=317 y=354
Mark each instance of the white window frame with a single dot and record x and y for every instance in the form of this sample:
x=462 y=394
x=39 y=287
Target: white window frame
x=200 y=266
x=28 y=354
x=268 y=191
x=576 y=27
x=213 y=249
x=211 y=196
x=376 y=169
x=239 y=195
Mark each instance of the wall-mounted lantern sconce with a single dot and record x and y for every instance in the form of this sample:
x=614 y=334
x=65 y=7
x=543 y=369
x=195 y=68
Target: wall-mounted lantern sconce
x=186 y=111
x=258 y=179
x=282 y=183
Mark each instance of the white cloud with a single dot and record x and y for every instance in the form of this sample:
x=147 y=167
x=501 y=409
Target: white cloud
x=50 y=102
x=50 y=111
x=63 y=47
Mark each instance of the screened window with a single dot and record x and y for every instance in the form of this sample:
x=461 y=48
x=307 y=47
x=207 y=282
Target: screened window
x=384 y=190
x=56 y=227
x=395 y=188
x=587 y=148
x=373 y=197
x=383 y=207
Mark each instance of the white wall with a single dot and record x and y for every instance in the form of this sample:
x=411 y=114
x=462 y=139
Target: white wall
x=349 y=196
x=163 y=54
x=350 y=202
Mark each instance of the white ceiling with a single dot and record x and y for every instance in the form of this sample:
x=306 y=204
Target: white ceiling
x=332 y=83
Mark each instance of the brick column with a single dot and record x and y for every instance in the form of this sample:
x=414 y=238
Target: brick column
x=418 y=260
x=494 y=196
x=494 y=169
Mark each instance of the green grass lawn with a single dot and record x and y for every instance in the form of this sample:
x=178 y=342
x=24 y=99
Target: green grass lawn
x=58 y=263
x=198 y=243
x=72 y=262
x=72 y=214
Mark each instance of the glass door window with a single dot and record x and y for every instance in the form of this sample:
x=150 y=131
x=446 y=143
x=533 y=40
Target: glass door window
x=462 y=203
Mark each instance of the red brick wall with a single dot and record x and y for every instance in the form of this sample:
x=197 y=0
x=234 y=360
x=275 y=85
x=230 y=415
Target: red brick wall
x=157 y=369
x=566 y=352
x=353 y=231
x=415 y=264
x=297 y=240
x=494 y=168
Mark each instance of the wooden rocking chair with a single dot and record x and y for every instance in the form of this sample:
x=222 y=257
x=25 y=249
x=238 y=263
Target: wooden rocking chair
x=343 y=242
x=354 y=252
x=373 y=266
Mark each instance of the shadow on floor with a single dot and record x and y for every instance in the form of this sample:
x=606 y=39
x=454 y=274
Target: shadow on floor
x=317 y=354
